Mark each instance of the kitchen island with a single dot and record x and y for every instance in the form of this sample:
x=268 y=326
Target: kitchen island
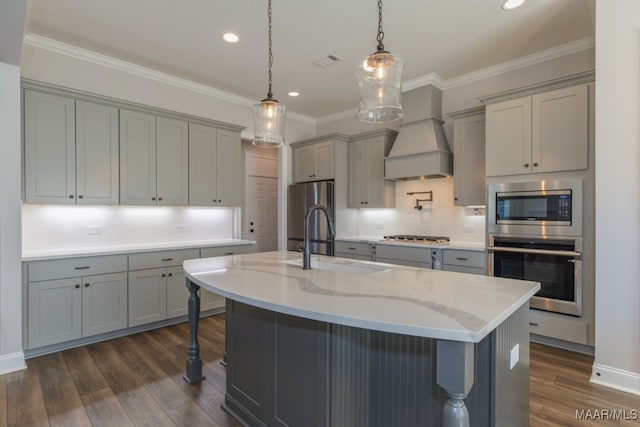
x=361 y=343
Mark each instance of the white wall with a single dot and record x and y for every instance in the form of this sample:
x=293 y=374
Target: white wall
x=64 y=227
x=617 y=358
x=11 y=356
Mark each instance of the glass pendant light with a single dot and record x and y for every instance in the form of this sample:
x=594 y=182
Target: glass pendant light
x=380 y=77
x=268 y=114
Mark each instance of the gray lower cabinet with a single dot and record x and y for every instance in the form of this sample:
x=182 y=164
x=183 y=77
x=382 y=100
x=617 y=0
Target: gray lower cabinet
x=71 y=308
x=157 y=285
x=210 y=300
x=355 y=250
x=276 y=368
x=465 y=261
x=404 y=255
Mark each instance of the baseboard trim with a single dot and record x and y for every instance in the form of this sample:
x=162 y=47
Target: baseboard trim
x=616 y=378
x=565 y=345
x=12 y=362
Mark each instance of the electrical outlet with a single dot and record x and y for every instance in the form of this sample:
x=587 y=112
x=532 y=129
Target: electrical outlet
x=94 y=230
x=514 y=356
x=180 y=228
x=469 y=228
x=379 y=226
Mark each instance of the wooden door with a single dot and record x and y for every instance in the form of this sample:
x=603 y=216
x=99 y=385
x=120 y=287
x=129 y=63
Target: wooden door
x=137 y=158
x=172 y=162
x=262 y=212
x=50 y=144
x=97 y=163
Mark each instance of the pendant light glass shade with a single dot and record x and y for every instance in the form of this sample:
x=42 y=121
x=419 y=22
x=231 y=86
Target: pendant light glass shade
x=268 y=114
x=269 y=117
x=380 y=80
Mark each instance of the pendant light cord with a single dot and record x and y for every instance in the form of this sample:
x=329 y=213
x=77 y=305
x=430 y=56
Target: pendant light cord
x=269 y=93
x=380 y=32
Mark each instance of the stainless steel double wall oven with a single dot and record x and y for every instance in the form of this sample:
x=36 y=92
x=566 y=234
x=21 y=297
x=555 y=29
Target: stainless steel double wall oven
x=535 y=233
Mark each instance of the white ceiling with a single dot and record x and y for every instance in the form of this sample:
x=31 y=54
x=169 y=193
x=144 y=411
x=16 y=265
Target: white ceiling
x=182 y=37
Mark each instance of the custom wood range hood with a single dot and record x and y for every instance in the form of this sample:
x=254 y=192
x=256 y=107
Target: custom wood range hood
x=421 y=149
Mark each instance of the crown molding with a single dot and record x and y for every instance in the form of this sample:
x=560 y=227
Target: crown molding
x=522 y=62
x=432 y=79
x=51 y=45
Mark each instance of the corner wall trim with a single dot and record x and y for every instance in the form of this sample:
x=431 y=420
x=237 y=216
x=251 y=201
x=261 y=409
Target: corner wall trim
x=12 y=362
x=618 y=379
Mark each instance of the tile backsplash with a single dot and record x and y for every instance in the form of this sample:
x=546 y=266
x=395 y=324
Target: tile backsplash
x=59 y=227
x=437 y=218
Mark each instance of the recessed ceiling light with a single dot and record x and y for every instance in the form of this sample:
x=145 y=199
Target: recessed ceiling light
x=512 y=4
x=293 y=93
x=230 y=38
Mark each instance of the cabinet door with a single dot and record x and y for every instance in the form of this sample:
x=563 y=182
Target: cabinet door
x=210 y=300
x=202 y=165
x=380 y=193
x=560 y=129
x=50 y=156
x=177 y=293
x=55 y=310
x=172 y=162
x=137 y=158
x=97 y=168
x=147 y=296
x=228 y=165
x=508 y=136
x=323 y=154
x=357 y=178
x=469 y=161
x=303 y=164
x=104 y=303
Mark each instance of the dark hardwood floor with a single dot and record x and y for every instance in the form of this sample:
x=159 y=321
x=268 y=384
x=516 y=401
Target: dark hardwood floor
x=137 y=381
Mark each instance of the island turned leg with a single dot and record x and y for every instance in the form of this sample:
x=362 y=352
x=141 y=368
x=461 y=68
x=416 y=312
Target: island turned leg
x=455 y=376
x=194 y=363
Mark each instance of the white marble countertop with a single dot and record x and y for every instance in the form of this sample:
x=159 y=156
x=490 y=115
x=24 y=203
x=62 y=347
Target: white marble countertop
x=384 y=297
x=56 y=253
x=469 y=246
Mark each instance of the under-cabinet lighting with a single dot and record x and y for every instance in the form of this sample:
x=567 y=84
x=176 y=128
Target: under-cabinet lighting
x=512 y=4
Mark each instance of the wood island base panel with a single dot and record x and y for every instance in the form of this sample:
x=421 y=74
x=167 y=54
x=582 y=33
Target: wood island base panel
x=296 y=355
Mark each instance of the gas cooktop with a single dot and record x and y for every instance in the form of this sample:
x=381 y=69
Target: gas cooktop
x=412 y=238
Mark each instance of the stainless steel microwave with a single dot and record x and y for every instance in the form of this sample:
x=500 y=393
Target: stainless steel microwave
x=541 y=208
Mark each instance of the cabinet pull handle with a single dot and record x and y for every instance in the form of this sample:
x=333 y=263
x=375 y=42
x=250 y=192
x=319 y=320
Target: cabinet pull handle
x=159 y=199
x=153 y=198
x=86 y=285
x=533 y=324
x=462 y=259
x=166 y=259
x=352 y=249
x=82 y=268
x=77 y=285
x=228 y=253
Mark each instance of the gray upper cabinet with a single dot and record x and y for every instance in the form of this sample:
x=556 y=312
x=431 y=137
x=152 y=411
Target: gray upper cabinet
x=545 y=132
x=154 y=160
x=214 y=167
x=314 y=162
x=50 y=148
x=97 y=165
x=172 y=162
x=367 y=186
x=137 y=158
x=469 y=157
x=71 y=151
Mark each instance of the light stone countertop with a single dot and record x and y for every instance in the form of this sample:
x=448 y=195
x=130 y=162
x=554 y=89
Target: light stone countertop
x=57 y=253
x=384 y=297
x=469 y=246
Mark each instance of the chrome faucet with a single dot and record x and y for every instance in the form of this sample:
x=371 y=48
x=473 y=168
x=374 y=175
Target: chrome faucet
x=306 y=249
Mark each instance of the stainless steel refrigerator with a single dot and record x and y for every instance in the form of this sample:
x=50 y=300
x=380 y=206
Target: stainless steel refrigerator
x=300 y=198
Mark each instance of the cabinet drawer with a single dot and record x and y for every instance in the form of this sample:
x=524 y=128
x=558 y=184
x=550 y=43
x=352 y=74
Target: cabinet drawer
x=464 y=258
x=464 y=269
x=161 y=258
x=404 y=253
x=419 y=264
x=559 y=327
x=75 y=267
x=226 y=250
x=353 y=248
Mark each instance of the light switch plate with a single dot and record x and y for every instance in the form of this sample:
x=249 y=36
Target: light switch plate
x=514 y=356
x=180 y=228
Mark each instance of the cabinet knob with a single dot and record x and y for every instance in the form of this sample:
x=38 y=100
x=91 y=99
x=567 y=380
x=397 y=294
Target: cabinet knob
x=219 y=200
x=159 y=199
x=366 y=203
x=535 y=164
x=80 y=196
x=71 y=196
x=77 y=285
x=163 y=275
x=153 y=198
x=455 y=198
x=526 y=165
x=86 y=285
x=170 y=274
x=251 y=230
x=251 y=223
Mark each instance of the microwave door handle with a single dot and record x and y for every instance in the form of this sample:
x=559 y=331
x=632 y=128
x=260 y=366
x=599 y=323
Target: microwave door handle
x=534 y=251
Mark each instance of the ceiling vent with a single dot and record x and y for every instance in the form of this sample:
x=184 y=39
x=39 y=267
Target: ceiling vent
x=325 y=61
